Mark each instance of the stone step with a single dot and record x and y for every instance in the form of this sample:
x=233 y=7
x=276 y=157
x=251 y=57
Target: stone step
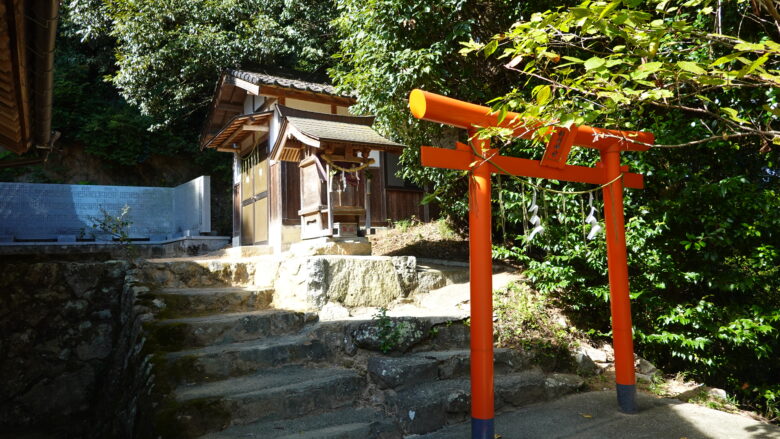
x=205 y=272
x=449 y=335
x=183 y=273
x=283 y=393
x=347 y=423
x=229 y=360
x=406 y=371
x=183 y=302
x=192 y=332
x=429 y=406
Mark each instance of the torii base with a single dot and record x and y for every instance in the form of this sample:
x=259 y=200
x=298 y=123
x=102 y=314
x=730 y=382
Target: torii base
x=626 y=398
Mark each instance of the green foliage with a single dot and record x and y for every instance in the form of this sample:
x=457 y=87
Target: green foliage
x=527 y=318
x=389 y=330
x=605 y=63
x=90 y=112
x=116 y=226
x=169 y=53
x=702 y=237
x=704 y=266
x=445 y=229
x=389 y=47
x=405 y=224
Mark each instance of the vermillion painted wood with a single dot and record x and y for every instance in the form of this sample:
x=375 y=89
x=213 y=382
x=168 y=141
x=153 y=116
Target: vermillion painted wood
x=482 y=162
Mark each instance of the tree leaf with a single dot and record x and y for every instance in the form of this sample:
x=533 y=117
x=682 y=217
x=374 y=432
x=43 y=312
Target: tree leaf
x=490 y=48
x=594 y=63
x=609 y=8
x=750 y=47
x=650 y=67
x=502 y=113
x=733 y=114
x=544 y=95
x=754 y=65
x=514 y=62
x=692 y=67
x=727 y=58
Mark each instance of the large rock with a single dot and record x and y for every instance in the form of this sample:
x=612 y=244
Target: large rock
x=585 y=364
x=312 y=282
x=364 y=282
x=213 y=273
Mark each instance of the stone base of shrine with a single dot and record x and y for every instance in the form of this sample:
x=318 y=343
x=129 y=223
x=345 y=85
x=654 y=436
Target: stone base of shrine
x=332 y=246
x=244 y=251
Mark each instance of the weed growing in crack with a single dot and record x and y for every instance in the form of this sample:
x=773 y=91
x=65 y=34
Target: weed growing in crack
x=388 y=331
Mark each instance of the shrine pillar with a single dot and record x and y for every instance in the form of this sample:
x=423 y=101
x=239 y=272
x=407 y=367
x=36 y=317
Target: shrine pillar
x=481 y=279
x=617 y=262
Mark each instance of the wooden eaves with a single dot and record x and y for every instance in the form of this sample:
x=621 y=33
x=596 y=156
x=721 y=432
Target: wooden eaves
x=27 y=32
x=232 y=135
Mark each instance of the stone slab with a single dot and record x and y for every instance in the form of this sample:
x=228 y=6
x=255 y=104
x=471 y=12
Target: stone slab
x=348 y=423
x=144 y=249
x=331 y=246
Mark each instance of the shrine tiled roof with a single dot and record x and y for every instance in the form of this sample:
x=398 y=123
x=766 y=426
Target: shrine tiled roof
x=278 y=81
x=336 y=128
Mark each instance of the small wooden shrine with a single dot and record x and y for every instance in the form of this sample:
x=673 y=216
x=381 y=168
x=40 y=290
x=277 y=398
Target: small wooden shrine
x=303 y=166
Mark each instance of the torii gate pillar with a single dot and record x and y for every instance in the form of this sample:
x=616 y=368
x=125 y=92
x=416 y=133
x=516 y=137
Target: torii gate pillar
x=482 y=162
x=619 y=300
x=481 y=277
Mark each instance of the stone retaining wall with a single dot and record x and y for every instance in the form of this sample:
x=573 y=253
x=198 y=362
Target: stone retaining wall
x=76 y=361
x=59 y=323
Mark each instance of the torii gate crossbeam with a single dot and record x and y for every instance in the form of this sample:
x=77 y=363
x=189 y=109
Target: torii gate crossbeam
x=608 y=172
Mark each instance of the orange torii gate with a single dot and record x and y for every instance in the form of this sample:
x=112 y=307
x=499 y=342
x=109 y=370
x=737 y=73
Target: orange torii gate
x=482 y=161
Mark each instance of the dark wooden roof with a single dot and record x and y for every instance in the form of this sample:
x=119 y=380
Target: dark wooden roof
x=299 y=127
x=336 y=128
x=26 y=62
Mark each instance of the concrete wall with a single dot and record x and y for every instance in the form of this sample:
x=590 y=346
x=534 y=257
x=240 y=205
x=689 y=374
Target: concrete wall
x=68 y=213
x=191 y=207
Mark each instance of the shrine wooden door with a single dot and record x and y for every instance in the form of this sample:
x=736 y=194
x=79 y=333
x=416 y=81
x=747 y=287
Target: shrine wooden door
x=254 y=197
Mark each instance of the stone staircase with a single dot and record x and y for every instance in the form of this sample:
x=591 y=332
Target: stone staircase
x=227 y=364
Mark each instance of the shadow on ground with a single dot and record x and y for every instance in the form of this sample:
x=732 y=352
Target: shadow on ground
x=594 y=415
x=448 y=250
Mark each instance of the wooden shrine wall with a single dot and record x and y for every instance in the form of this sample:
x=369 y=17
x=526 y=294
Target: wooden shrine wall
x=291 y=188
x=403 y=203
